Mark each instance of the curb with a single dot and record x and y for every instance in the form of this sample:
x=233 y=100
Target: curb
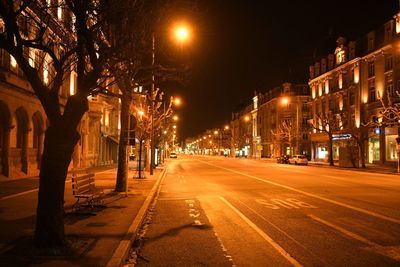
x=121 y=252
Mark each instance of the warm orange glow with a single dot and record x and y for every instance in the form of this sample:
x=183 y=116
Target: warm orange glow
x=285 y=101
x=215 y=132
x=175 y=118
x=174 y=126
x=356 y=74
x=226 y=127
x=314 y=89
x=247 y=118
x=365 y=99
x=182 y=32
x=327 y=87
x=177 y=101
x=140 y=113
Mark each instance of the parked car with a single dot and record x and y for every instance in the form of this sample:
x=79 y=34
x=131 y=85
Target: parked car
x=298 y=159
x=173 y=155
x=283 y=159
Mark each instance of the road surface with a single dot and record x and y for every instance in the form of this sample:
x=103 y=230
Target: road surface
x=214 y=211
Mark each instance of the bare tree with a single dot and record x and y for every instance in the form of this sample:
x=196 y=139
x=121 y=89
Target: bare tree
x=77 y=43
x=328 y=123
x=286 y=132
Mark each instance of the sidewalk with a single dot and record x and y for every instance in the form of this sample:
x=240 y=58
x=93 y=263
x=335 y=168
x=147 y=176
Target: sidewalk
x=373 y=168
x=97 y=240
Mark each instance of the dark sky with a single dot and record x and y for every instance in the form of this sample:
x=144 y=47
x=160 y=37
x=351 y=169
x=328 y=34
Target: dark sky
x=243 y=46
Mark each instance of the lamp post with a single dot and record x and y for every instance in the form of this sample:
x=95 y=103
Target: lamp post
x=182 y=34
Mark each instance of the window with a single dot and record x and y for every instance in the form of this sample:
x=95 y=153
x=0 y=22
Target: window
x=388 y=62
x=352 y=98
x=389 y=88
x=332 y=104
x=371 y=90
x=371 y=69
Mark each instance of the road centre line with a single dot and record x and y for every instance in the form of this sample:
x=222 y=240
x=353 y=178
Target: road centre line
x=371 y=213
x=266 y=237
x=388 y=252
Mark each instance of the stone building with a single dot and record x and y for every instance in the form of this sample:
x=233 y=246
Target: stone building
x=282 y=114
x=347 y=85
x=23 y=121
x=274 y=124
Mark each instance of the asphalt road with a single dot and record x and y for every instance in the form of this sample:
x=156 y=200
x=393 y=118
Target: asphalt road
x=214 y=211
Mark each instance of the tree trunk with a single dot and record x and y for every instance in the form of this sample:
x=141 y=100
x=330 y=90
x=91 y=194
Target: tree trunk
x=331 y=151
x=59 y=144
x=362 y=154
x=140 y=158
x=122 y=173
x=147 y=163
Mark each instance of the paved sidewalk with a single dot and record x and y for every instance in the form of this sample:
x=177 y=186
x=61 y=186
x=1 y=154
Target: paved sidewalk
x=374 y=168
x=95 y=237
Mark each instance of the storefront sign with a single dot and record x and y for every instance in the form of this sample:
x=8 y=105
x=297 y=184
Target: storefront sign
x=341 y=136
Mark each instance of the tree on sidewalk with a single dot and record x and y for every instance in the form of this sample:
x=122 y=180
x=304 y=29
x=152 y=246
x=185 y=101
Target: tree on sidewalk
x=133 y=68
x=49 y=42
x=286 y=132
x=328 y=123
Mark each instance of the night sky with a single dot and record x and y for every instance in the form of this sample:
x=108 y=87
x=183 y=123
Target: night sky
x=243 y=46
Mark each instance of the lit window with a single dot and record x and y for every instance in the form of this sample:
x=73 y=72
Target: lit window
x=32 y=57
x=72 y=89
x=327 y=87
x=46 y=71
x=340 y=81
x=13 y=62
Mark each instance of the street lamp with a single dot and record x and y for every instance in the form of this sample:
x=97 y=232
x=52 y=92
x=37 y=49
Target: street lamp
x=182 y=35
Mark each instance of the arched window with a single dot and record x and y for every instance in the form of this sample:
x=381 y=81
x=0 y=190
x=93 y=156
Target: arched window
x=22 y=136
x=4 y=138
x=37 y=123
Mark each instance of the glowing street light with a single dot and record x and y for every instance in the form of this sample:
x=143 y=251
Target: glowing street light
x=285 y=101
x=182 y=33
x=175 y=118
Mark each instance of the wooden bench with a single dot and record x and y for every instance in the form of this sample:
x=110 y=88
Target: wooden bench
x=84 y=188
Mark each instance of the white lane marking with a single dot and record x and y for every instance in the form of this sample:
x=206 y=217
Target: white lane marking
x=287 y=203
x=266 y=237
x=391 y=252
x=110 y=170
x=22 y=193
x=19 y=194
x=361 y=210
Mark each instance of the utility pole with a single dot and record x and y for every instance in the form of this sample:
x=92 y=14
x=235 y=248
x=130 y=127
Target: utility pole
x=152 y=143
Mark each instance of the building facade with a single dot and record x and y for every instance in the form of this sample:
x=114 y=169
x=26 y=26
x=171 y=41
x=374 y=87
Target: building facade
x=350 y=85
x=274 y=124
x=23 y=121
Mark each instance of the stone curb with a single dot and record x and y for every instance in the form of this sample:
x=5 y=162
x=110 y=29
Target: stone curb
x=121 y=252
